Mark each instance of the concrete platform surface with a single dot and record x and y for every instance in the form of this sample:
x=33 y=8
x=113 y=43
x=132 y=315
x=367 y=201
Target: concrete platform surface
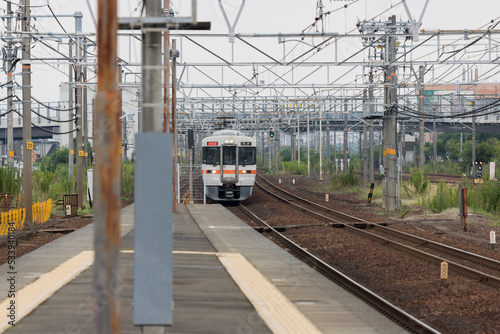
x=222 y=269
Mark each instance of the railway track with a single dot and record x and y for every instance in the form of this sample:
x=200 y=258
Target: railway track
x=385 y=307
x=478 y=268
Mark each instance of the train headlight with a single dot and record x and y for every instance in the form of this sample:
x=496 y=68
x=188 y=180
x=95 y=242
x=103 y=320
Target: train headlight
x=229 y=141
x=211 y=171
x=245 y=172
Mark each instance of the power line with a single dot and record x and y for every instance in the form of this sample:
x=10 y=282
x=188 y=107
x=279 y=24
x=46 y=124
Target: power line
x=45 y=130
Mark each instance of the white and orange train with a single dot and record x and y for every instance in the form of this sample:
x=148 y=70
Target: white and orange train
x=229 y=165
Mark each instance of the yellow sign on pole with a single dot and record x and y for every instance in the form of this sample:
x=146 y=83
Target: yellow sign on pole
x=11 y=153
x=81 y=153
x=29 y=145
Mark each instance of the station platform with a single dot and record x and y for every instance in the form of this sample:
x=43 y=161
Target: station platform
x=227 y=279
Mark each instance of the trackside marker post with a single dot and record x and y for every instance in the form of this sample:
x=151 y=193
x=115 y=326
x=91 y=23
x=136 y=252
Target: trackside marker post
x=327 y=197
x=492 y=239
x=444 y=273
x=370 y=194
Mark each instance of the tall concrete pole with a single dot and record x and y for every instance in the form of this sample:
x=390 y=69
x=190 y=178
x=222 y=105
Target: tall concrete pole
x=85 y=114
x=27 y=143
x=174 y=55
x=328 y=150
x=166 y=74
x=372 y=129
x=320 y=146
x=346 y=137
x=80 y=152
x=421 y=133
x=390 y=115
x=263 y=150
x=277 y=153
x=123 y=129
x=107 y=177
x=365 y=138
x=434 y=142
x=298 y=140
x=308 y=147
x=71 y=147
x=10 y=105
x=473 y=142
x=335 y=149
x=152 y=116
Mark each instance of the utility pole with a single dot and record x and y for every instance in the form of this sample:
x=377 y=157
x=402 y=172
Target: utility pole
x=277 y=153
x=174 y=54
x=298 y=139
x=85 y=114
x=320 y=146
x=124 y=125
x=71 y=147
x=372 y=129
x=27 y=143
x=107 y=178
x=328 y=151
x=166 y=75
x=308 y=148
x=263 y=149
x=346 y=137
x=421 y=106
x=365 y=138
x=434 y=142
x=80 y=152
x=390 y=115
x=10 y=106
x=473 y=142
x=270 y=155
x=335 y=149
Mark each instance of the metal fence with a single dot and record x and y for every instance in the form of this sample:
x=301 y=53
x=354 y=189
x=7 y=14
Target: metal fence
x=190 y=184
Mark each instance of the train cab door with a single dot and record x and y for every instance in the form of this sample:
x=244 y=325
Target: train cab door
x=229 y=164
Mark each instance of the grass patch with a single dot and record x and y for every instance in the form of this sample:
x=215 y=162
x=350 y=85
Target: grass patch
x=345 y=181
x=403 y=211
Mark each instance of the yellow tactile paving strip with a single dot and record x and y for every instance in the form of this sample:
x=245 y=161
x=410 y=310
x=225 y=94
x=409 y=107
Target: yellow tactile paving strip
x=280 y=315
x=29 y=297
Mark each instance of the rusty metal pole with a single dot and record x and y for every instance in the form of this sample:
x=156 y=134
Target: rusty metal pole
x=107 y=144
x=27 y=143
x=174 y=56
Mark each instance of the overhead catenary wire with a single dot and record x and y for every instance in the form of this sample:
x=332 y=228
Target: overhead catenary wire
x=45 y=130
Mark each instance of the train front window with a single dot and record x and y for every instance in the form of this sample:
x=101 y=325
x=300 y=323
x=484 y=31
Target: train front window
x=247 y=155
x=211 y=155
x=229 y=155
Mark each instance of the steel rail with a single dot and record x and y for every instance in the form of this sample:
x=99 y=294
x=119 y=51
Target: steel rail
x=468 y=272
x=383 y=306
x=468 y=256
x=326 y=209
